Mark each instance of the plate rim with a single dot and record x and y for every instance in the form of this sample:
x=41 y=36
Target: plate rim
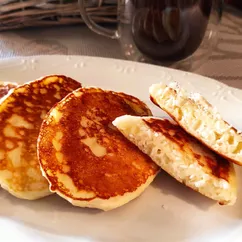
x=98 y=58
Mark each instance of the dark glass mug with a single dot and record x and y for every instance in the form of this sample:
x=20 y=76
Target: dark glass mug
x=178 y=33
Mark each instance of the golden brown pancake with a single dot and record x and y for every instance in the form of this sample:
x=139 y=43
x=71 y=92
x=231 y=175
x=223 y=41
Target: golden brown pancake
x=21 y=114
x=85 y=158
x=182 y=156
x=5 y=87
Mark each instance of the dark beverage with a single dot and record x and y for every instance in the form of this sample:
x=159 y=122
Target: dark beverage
x=164 y=32
x=236 y=3
x=169 y=30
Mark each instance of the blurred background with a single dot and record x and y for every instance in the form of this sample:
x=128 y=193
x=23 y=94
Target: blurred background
x=54 y=27
x=235 y=3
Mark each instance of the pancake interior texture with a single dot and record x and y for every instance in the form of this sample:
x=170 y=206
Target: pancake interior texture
x=182 y=156
x=5 y=87
x=85 y=158
x=21 y=115
x=200 y=119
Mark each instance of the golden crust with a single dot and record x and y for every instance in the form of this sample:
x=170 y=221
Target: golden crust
x=83 y=156
x=182 y=156
x=21 y=115
x=214 y=164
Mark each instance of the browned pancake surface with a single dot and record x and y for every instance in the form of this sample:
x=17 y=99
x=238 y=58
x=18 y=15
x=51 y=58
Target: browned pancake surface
x=87 y=152
x=217 y=165
x=21 y=115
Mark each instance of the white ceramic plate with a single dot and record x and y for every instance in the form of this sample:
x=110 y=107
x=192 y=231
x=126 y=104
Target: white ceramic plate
x=167 y=211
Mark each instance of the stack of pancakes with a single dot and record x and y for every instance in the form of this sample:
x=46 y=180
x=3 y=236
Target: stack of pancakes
x=198 y=148
x=101 y=149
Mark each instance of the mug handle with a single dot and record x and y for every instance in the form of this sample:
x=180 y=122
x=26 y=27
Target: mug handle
x=113 y=34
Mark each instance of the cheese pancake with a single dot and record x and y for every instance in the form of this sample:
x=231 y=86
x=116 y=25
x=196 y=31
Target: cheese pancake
x=5 y=87
x=193 y=113
x=86 y=160
x=21 y=114
x=182 y=156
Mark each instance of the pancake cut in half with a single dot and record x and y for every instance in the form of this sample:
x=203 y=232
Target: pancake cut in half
x=193 y=113
x=86 y=160
x=21 y=115
x=182 y=156
x=5 y=87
